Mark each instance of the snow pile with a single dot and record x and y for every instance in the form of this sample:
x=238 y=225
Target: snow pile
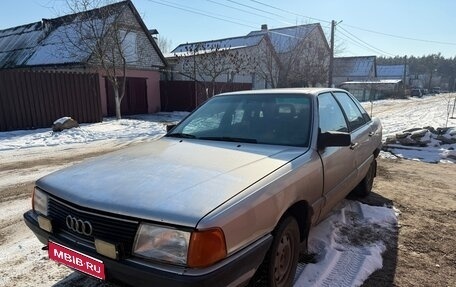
x=426 y=144
x=398 y=115
x=348 y=245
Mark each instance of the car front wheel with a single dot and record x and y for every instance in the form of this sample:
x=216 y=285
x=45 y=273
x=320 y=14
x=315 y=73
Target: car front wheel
x=282 y=259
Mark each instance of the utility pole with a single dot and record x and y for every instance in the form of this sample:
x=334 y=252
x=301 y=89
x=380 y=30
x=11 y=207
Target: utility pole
x=331 y=56
x=404 y=80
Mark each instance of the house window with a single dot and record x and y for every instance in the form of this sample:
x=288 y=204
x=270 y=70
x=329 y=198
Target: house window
x=129 y=46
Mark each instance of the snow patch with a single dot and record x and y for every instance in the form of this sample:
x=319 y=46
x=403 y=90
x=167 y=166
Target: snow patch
x=348 y=245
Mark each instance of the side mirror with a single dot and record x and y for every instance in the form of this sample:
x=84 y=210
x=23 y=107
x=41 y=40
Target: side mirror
x=328 y=139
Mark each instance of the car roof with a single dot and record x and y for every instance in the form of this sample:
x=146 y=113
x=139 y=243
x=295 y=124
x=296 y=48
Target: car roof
x=307 y=91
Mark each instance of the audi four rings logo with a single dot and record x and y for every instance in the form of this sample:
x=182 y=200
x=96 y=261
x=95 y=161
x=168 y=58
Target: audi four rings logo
x=78 y=225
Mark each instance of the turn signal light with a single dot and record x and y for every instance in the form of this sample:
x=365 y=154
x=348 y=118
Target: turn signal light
x=206 y=248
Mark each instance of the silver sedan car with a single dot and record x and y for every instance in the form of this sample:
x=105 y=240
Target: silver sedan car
x=225 y=198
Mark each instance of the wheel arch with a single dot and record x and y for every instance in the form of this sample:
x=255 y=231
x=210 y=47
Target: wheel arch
x=302 y=212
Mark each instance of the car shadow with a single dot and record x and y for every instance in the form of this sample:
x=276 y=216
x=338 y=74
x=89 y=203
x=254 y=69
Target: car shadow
x=385 y=276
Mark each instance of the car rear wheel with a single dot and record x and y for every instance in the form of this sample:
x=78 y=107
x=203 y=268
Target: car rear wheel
x=279 y=266
x=365 y=186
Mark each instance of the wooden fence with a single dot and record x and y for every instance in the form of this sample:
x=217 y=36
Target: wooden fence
x=180 y=95
x=31 y=99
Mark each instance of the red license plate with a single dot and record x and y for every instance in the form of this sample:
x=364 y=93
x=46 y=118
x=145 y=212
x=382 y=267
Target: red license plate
x=76 y=260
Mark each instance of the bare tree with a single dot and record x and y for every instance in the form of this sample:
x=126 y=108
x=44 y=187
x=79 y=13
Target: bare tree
x=306 y=63
x=208 y=62
x=164 y=44
x=105 y=37
x=268 y=64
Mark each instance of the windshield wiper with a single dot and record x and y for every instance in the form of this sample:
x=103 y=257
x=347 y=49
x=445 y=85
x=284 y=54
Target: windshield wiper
x=230 y=139
x=181 y=135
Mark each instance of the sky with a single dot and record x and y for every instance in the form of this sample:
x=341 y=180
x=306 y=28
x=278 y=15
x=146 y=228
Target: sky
x=382 y=28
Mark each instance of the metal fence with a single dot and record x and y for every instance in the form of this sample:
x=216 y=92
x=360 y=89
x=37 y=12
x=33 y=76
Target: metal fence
x=35 y=99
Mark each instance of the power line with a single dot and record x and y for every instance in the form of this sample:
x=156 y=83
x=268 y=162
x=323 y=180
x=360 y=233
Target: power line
x=257 y=9
x=194 y=11
x=355 y=27
x=367 y=44
x=242 y=10
x=402 y=37
x=290 y=12
x=347 y=38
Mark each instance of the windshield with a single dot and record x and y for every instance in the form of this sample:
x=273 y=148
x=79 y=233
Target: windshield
x=266 y=119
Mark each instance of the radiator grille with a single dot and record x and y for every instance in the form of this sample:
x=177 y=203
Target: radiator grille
x=110 y=228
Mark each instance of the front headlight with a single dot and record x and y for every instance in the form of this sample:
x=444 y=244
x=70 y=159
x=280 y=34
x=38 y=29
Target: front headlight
x=40 y=202
x=160 y=243
x=197 y=249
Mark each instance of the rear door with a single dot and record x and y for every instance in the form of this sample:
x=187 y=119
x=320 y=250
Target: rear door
x=361 y=130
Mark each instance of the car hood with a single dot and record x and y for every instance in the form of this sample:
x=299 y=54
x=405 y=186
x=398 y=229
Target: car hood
x=169 y=180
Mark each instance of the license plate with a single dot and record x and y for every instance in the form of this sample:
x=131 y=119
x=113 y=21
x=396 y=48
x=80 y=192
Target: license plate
x=76 y=260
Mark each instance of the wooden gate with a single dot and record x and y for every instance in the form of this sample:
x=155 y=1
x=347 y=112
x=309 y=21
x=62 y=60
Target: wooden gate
x=134 y=101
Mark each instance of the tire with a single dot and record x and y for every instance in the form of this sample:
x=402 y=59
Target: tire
x=279 y=266
x=364 y=188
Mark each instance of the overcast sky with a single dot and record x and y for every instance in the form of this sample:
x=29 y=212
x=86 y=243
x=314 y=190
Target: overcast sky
x=382 y=27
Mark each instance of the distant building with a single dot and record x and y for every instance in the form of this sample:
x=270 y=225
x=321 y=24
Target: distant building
x=389 y=72
x=303 y=53
x=290 y=56
x=238 y=59
x=354 y=69
x=375 y=89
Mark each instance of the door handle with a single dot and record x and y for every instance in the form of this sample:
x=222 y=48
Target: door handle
x=354 y=145
x=371 y=134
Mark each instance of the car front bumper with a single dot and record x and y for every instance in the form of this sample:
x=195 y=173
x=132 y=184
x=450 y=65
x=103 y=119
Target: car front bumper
x=232 y=271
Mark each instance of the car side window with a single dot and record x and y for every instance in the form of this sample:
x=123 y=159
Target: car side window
x=330 y=115
x=363 y=111
x=354 y=116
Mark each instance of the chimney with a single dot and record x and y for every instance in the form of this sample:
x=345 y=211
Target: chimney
x=264 y=27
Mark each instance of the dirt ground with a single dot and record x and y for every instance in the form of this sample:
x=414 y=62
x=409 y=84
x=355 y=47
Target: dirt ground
x=421 y=253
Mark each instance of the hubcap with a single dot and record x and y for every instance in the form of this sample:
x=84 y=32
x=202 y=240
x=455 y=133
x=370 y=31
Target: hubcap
x=283 y=258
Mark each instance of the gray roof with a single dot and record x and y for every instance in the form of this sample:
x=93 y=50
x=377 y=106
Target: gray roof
x=284 y=39
x=19 y=43
x=227 y=43
x=392 y=81
x=45 y=42
x=354 y=66
x=393 y=71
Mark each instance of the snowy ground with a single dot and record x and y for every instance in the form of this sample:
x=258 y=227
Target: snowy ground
x=399 y=115
x=343 y=258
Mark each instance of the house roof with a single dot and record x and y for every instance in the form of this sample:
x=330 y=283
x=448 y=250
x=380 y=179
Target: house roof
x=354 y=66
x=393 y=71
x=46 y=42
x=284 y=39
x=209 y=46
x=392 y=81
